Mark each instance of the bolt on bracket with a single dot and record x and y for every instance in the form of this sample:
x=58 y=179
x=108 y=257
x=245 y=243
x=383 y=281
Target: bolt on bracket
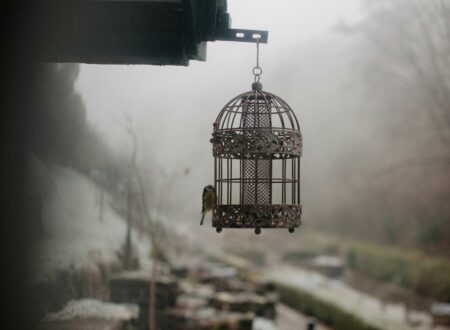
x=242 y=35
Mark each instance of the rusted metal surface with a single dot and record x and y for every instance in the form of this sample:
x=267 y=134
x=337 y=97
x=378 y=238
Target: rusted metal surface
x=257 y=145
x=262 y=216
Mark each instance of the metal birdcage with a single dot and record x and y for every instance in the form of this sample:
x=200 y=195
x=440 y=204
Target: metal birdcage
x=257 y=146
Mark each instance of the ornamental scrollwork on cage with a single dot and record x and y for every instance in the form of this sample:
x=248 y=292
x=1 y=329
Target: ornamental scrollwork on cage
x=256 y=143
x=254 y=216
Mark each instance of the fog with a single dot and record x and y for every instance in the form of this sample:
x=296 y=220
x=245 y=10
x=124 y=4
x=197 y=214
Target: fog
x=108 y=164
x=335 y=69
x=306 y=62
x=367 y=86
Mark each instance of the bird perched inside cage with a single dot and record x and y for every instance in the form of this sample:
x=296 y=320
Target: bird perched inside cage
x=209 y=200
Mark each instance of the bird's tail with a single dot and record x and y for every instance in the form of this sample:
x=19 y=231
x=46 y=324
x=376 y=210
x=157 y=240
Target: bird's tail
x=203 y=218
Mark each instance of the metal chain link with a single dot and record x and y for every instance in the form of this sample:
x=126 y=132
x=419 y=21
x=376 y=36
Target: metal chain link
x=257 y=70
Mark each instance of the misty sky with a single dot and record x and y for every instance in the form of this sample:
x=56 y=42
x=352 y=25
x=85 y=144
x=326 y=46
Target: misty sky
x=110 y=90
x=173 y=108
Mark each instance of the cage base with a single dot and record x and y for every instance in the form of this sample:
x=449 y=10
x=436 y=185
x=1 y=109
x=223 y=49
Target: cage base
x=257 y=216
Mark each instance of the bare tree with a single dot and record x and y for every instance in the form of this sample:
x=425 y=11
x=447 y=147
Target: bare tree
x=409 y=50
x=401 y=191
x=151 y=225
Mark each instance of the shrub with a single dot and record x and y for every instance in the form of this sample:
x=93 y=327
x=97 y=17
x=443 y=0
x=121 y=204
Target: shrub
x=326 y=312
x=425 y=275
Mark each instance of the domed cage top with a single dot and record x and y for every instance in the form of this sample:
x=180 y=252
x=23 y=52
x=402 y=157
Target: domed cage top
x=257 y=146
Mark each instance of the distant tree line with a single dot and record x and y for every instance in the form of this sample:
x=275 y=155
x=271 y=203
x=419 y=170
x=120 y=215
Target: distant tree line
x=59 y=132
x=400 y=194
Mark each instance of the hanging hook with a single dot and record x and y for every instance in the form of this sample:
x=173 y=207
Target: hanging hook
x=257 y=70
x=258 y=38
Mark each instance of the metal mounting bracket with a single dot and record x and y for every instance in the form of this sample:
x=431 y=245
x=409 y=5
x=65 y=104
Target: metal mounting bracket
x=241 y=35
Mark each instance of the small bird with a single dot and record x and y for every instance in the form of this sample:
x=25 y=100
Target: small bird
x=209 y=200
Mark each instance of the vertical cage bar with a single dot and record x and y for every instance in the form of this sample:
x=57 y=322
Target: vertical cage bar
x=283 y=185
x=231 y=182
x=241 y=183
x=298 y=178
x=228 y=181
x=293 y=180
x=221 y=181
x=256 y=181
x=270 y=183
x=215 y=174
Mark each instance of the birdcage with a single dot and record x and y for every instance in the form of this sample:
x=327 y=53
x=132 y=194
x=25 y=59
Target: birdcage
x=257 y=146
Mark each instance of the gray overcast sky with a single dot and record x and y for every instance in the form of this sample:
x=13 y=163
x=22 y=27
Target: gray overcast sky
x=110 y=90
x=292 y=20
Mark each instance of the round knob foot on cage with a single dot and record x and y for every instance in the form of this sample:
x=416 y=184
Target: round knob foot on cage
x=219 y=229
x=257 y=230
x=291 y=230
